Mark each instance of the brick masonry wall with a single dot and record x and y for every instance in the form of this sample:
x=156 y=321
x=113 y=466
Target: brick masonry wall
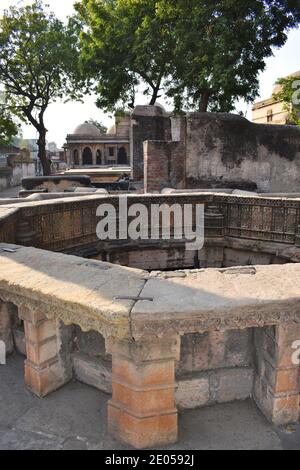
x=147 y=128
x=164 y=166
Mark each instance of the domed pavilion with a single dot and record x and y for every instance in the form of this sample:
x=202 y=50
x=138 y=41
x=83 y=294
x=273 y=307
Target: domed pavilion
x=88 y=147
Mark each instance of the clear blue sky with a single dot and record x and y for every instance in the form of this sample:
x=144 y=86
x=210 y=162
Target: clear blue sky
x=63 y=118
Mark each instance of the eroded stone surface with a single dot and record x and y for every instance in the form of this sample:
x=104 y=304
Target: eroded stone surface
x=75 y=290
x=213 y=300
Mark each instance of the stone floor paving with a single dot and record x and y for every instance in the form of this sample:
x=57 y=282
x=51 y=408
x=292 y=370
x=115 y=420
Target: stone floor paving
x=75 y=418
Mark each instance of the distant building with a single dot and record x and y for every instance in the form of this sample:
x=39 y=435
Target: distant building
x=15 y=164
x=52 y=147
x=271 y=111
x=88 y=147
x=28 y=144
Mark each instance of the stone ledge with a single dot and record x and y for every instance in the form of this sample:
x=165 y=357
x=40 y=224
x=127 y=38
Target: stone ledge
x=75 y=290
x=212 y=300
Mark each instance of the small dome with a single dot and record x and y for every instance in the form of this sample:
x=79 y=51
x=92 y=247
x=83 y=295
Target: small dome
x=87 y=129
x=112 y=130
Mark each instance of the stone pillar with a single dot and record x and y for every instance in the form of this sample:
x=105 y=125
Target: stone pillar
x=94 y=151
x=142 y=411
x=80 y=155
x=5 y=327
x=276 y=387
x=44 y=372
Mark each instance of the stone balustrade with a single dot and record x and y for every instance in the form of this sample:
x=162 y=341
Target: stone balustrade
x=142 y=317
x=267 y=226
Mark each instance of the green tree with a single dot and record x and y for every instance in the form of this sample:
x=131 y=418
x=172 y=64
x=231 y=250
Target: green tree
x=204 y=55
x=99 y=125
x=8 y=127
x=125 y=47
x=38 y=64
x=290 y=95
x=220 y=47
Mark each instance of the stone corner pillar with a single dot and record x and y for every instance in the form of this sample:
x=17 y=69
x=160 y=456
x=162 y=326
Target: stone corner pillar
x=142 y=411
x=276 y=386
x=44 y=371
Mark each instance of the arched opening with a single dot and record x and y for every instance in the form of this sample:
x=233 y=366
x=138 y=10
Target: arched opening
x=76 y=157
x=87 y=157
x=122 y=156
x=99 y=157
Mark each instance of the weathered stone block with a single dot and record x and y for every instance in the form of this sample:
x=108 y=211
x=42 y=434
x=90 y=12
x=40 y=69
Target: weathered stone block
x=192 y=393
x=44 y=380
x=215 y=350
x=40 y=353
x=228 y=385
x=142 y=410
x=41 y=332
x=276 y=388
x=32 y=316
x=95 y=372
x=142 y=431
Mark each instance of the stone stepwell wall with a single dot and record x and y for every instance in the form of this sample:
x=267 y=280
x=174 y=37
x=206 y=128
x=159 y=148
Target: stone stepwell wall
x=214 y=366
x=69 y=225
x=211 y=150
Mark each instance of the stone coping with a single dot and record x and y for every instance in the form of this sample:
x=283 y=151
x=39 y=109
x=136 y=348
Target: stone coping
x=127 y=303
x=218 y=299
x=155 y=197
x=76 y=290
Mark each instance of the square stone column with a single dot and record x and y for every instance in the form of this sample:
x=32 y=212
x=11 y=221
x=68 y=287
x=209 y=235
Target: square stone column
x=5 y=328
x=276 y=387
x=142 y=411
x=44 y=371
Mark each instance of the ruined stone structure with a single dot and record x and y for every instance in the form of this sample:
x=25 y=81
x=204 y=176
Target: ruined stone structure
x=15 y=164
x=193 y=151
x=210 y=150
x=164 y=331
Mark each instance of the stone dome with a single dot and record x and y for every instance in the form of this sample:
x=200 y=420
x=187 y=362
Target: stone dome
x=87 y=129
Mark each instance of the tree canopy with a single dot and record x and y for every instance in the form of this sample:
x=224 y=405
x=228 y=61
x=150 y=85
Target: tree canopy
x=290 y=95
x=8 y=127
x=203 y=55
x=124 y=45
x=99 y=125
x=38 y=65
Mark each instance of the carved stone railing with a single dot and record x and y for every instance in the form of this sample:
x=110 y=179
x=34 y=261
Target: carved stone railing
x=69 y=224
x=142 y=317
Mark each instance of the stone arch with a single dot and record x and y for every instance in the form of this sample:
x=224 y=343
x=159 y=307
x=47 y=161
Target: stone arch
x=99 y=157
x=122 y=156
x=76 y=157
x=87 y=156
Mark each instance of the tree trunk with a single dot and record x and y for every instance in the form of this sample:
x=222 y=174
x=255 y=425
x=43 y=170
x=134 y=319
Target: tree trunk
x=203 y=106
x=42 y=154
x=154 y=95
